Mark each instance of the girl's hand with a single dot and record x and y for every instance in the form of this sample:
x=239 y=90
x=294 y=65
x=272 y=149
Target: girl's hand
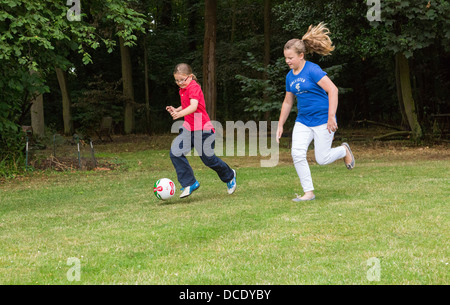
x=279 y=133
x=332 y=125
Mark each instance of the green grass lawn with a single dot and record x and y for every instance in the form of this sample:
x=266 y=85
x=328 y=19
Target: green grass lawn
x=392 y=210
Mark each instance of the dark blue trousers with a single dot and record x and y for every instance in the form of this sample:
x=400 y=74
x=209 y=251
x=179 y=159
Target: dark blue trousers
x=204 y=143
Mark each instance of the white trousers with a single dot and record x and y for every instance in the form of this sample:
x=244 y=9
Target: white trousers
x=301 y=138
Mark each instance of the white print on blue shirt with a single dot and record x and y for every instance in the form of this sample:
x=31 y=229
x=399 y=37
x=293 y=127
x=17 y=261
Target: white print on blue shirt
x=297 y=86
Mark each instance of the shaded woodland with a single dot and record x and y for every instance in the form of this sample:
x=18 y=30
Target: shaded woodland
x=64 y=67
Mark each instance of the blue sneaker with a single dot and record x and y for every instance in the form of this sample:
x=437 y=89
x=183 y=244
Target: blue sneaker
x=189 y=189
x=232 y=184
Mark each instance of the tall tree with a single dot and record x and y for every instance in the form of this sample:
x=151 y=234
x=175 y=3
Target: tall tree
x=36 y=37
x=410 y=26
x=267 y=21
x=147 y=89
x=127 y=22
x=37 y=115
x=192 y=23
x=209 y=58
x=66 y=102
x=128 y=90
x=404 y=29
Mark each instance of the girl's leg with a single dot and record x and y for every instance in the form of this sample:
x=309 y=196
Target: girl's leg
x=181 y=146
x=322 y=146
x=301 y=138
x=205 y=149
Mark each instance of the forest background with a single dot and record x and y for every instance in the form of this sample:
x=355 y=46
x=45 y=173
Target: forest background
x=66 y=65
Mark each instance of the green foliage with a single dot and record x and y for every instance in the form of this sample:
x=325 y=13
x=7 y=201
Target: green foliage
x=36 y=36
x=126 y=20
x=12 y=147
x=263 y=95
x=101 y=99
x=412 y=25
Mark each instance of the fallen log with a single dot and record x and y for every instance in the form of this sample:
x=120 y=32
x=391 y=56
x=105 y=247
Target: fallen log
x=380 y=124
x=393 y=134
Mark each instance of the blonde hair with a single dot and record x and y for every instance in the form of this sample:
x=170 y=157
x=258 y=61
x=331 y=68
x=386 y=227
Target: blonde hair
x=184 y=69
x=316 y=40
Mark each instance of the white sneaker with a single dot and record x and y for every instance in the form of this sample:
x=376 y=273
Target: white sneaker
x=231 y=186
x=189 y=189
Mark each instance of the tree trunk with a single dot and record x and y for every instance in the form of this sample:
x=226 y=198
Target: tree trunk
x=66 y=102
x=267 y=20
x=147 y=90
x=37 y=116
x=405 y=91
x=233 y=22
x=192 y=24
x=209 y=58
x=128 y=92
x=401 y=106
x=166 y=12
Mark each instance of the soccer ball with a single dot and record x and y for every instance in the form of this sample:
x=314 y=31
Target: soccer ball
x=164 y=189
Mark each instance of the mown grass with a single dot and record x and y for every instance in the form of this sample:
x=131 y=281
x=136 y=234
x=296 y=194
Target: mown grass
x=393 y=210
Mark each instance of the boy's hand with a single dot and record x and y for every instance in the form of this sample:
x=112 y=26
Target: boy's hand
x=170 y=109
x=176 y=115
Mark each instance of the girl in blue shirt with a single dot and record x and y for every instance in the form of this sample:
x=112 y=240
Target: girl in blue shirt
x=317 y=101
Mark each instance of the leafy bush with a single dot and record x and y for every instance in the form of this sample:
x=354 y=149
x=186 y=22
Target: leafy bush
x=101 y=99
x=263 y=95
x=12 y=147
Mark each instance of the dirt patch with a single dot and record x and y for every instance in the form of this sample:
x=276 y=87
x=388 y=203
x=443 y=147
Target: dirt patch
x=401 y=152
x=73 y=164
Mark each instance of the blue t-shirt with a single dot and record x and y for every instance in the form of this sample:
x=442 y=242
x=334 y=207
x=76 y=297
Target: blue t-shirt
x=312 y=100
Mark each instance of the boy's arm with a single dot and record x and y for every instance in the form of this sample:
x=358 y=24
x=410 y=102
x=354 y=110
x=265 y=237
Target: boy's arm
x=188 y=110
x=171 y=109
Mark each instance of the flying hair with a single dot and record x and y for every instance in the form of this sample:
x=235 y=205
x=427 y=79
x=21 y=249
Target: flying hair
x=316 y=40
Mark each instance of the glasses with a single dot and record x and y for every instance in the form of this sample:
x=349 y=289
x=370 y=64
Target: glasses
x=182 y=81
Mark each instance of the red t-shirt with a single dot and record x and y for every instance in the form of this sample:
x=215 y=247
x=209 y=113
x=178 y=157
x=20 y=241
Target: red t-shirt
x=198 y=120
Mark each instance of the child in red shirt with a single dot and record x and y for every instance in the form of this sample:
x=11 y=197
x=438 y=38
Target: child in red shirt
x=196 y=131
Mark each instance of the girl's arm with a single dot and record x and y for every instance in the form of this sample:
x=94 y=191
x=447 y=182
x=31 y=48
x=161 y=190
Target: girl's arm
x=188 y=110
x=332 y=92
x=285 y=111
